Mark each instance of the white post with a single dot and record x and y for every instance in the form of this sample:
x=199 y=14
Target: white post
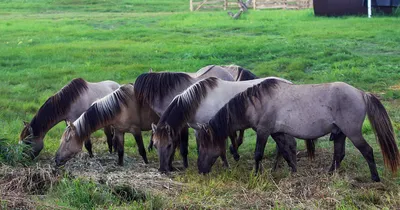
x=369 y=9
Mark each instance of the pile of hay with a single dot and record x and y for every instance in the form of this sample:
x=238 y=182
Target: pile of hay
x=18 y=184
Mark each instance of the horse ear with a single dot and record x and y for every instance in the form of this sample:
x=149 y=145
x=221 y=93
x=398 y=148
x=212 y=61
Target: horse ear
x=153 y=127
x=150 y=70
x=26 y=124
x=30 y=129
x=71 y=125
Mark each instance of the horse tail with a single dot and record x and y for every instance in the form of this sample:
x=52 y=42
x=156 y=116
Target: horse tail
x=383 y=129
x=310 y=145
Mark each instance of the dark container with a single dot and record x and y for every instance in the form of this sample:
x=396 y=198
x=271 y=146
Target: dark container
x=351 y=7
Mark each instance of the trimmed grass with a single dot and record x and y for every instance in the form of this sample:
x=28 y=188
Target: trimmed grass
x=46 y=43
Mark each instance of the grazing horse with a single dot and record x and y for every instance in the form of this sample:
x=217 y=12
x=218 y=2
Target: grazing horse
x=120 y=110
x=306 y=112
x=67 y=104
x=197 y=104
x=157 y=90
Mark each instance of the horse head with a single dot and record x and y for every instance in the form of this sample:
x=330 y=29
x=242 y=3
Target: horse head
x=209 y=150
x=71 y=144
x=35 y=143
x=164 y=142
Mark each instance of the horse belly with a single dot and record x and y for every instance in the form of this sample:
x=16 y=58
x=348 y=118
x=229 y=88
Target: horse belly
x=305 y=126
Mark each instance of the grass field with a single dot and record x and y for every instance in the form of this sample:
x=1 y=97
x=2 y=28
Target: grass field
x=46 y=43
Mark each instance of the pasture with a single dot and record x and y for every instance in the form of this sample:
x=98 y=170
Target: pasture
x=46 y=43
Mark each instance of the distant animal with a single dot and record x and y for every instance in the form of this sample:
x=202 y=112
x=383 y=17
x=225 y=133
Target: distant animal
x=120 y=110
x=197 y=104
x=67 y=104
x=158 y=90
x=273 y=107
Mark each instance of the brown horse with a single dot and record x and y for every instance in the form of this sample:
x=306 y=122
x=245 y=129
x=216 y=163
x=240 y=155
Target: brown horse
x=67 y=104
x=120 y=110
x=306 y=112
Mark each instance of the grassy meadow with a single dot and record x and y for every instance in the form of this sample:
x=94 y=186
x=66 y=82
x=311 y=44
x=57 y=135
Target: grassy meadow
x=46 y=43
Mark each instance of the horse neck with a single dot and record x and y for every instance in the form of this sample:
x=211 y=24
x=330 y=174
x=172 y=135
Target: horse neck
x=40 y=129
x=90 y=121
x=161 y=104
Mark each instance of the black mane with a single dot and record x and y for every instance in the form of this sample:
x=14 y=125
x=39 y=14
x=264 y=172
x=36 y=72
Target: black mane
x=185 y=105
x=239 y=73
x=56 y=105
x=104 y=111
x=245 y=74
x=150 y=86
x=218 y=128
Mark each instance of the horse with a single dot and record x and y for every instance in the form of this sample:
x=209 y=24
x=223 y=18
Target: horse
x=159 y=89
x=197 y=104
x=306 y=112
x=120 y=110
x=67 y=104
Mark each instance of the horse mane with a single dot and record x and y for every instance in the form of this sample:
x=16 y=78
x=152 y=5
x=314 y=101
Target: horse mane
x=245 y=74
x=241 y=73
x=103 y=111
x=56 y=105
x=184 y=105
x=218 y=128
x=150 y=86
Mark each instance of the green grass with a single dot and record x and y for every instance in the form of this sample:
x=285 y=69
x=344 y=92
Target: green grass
x=46 y=43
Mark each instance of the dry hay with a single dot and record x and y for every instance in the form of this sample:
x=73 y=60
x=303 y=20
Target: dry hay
x=311 y=187
x=134 y=173
x=18 y=183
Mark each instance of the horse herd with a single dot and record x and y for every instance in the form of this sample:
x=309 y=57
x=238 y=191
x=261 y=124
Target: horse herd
x=216 y=101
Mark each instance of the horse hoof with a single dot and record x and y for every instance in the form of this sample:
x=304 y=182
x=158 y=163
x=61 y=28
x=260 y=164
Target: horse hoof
x=236 y=157
x=376 y=178
x=232 y=150
x=91 y=155
x=185 y=164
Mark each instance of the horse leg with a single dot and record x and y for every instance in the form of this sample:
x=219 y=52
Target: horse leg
x=366 y=150
x=224 y=159
x=240 y=138
x=119 y=141
x=259 y=151
x=339 y=150
x=310 y=146
x=287 y=147
x=139 y=142
x=171 y=159
x=150 y=147
x=278 y=158
x=109 y=135
x=88 y=146
x=184 y=144
x=233 y=147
